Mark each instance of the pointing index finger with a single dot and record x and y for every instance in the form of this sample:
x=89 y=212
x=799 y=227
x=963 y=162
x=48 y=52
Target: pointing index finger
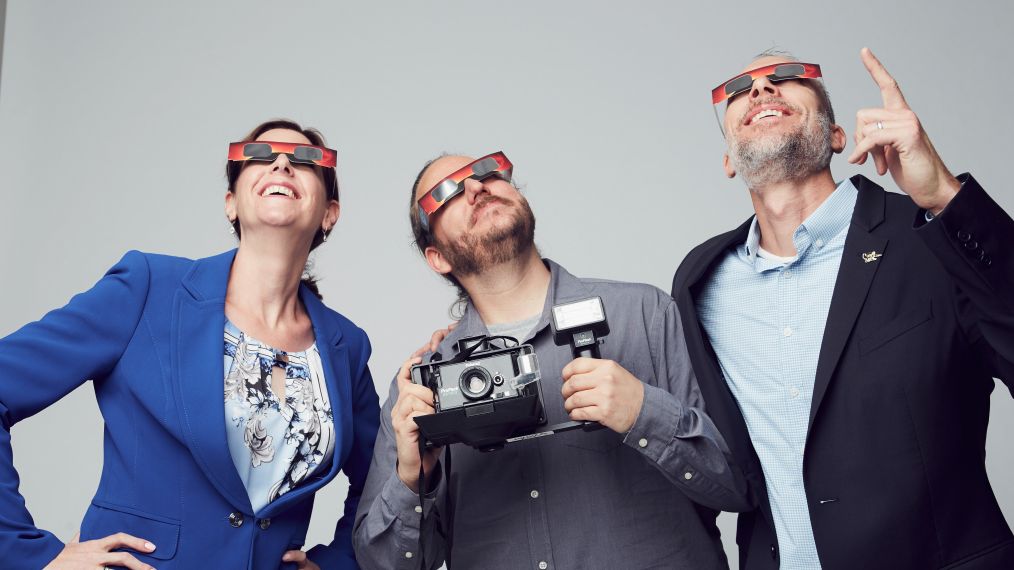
x=889 y=90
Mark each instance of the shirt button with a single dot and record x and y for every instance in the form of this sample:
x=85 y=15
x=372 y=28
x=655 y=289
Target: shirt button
x=418 y=508
x=794 y=392
x=543 y=565
x=688 y=475
x=787 y=331
x=236 y=519
x=264 y=524
x=534 y=494
x=642 y=442
x=787 y=274
x=408 y=554
x=819 y=243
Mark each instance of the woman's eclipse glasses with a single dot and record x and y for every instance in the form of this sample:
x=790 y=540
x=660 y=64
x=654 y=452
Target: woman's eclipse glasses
x=268 y=151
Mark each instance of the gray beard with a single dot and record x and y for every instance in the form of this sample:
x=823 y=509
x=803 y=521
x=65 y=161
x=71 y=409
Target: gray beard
x=793 y=156
x=472 y=255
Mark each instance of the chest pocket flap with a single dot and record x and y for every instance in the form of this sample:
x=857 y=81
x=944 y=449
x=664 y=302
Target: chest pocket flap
x=895 y=328
x=104 y=519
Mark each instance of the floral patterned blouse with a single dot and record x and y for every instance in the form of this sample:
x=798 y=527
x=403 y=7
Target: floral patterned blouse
x=274 y=444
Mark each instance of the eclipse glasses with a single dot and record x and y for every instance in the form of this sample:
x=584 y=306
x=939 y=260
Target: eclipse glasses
x=774 y=73
x=268 y=151
x=496 y=164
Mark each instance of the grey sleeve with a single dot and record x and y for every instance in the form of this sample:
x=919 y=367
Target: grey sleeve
x=386 y=531
x=674 y=432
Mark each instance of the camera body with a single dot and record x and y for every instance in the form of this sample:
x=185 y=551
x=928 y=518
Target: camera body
x=483 y=395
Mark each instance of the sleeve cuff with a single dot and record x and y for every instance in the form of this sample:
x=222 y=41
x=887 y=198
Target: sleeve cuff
x=656 y=424
x=403 y=502
x=924 y=216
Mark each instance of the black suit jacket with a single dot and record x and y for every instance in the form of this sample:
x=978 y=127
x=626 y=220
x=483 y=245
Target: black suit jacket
x=894 y=459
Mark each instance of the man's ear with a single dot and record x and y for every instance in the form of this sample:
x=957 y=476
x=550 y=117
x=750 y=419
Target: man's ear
x=730 y=170
x=437 y=261
x=838 y=139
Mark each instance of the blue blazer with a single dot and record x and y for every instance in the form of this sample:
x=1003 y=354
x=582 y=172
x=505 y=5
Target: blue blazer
x=149 y=335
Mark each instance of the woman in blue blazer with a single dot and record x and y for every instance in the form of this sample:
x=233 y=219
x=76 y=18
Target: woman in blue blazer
x=207 y=465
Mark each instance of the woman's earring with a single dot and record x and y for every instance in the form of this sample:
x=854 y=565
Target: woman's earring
x=324 y=231
x=232 y=229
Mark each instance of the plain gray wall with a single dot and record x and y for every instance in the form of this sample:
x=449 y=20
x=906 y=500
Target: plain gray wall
x=3 y=16
x=114 y=119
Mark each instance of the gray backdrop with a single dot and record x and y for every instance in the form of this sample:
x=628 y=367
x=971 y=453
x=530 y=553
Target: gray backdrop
x=114 y=119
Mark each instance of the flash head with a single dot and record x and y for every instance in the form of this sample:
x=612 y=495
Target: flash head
x=579 y=323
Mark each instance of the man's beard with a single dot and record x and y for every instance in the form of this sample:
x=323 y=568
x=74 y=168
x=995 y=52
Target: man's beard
x=792 y=156
x=472 y=254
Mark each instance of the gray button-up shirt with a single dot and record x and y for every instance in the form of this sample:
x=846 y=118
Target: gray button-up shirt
x=573 y=500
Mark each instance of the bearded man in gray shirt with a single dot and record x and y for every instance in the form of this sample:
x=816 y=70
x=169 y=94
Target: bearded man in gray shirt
x=643 y=492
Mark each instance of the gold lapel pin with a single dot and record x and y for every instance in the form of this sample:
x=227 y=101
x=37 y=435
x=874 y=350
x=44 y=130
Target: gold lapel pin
x=872 y=256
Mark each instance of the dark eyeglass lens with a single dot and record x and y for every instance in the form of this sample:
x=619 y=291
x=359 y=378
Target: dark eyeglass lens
x=444 y=190
x=257 y=150
x=741 y=83
x=307 y=154
x=484 y=167
x=788 y=71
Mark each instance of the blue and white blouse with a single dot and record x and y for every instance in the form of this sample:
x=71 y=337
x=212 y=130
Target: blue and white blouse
x=275 y=444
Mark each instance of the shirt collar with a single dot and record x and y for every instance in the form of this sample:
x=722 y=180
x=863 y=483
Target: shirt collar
x=562 y=287
x=831 y=218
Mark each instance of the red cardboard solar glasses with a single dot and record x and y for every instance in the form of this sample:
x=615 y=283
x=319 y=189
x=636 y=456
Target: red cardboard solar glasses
x=268 y=151
x=775 y=72
x=496 y=164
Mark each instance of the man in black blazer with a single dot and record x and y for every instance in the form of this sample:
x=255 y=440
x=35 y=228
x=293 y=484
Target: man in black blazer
x=850 y=371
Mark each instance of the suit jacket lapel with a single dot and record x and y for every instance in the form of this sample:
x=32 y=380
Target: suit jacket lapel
x=855 y=275
x=196 y=346
x=719 y=401
x=198 y=369
x=337 y=377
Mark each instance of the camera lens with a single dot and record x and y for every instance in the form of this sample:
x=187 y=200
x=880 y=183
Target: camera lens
x=475 y=383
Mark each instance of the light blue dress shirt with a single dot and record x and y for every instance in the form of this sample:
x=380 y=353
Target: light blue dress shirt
x=765 y=318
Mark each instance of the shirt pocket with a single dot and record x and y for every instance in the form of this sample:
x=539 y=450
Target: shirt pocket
x=895 y=328
x=104 y=519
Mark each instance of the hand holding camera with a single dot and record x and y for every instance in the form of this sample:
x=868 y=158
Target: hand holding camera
x=413 y=400
x=602 y=391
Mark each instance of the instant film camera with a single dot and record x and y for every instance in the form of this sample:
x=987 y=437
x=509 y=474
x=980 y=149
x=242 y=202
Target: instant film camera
x=488 y=392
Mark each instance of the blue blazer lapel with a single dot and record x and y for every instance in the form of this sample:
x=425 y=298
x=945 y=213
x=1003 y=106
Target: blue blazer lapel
x=337 y=376
x=197 y=366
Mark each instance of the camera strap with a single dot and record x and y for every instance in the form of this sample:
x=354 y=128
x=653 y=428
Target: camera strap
x=448 y=510
x=422 y=508
x=480 y=343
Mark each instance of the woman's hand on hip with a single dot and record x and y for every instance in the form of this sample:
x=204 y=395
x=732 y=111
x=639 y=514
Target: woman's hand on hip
x=97 y=554
x=299 y=557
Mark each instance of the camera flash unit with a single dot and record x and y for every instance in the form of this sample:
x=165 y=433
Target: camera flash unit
x=580 y=324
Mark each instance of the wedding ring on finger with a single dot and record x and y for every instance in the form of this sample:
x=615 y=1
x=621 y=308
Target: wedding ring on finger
x=880 y=126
